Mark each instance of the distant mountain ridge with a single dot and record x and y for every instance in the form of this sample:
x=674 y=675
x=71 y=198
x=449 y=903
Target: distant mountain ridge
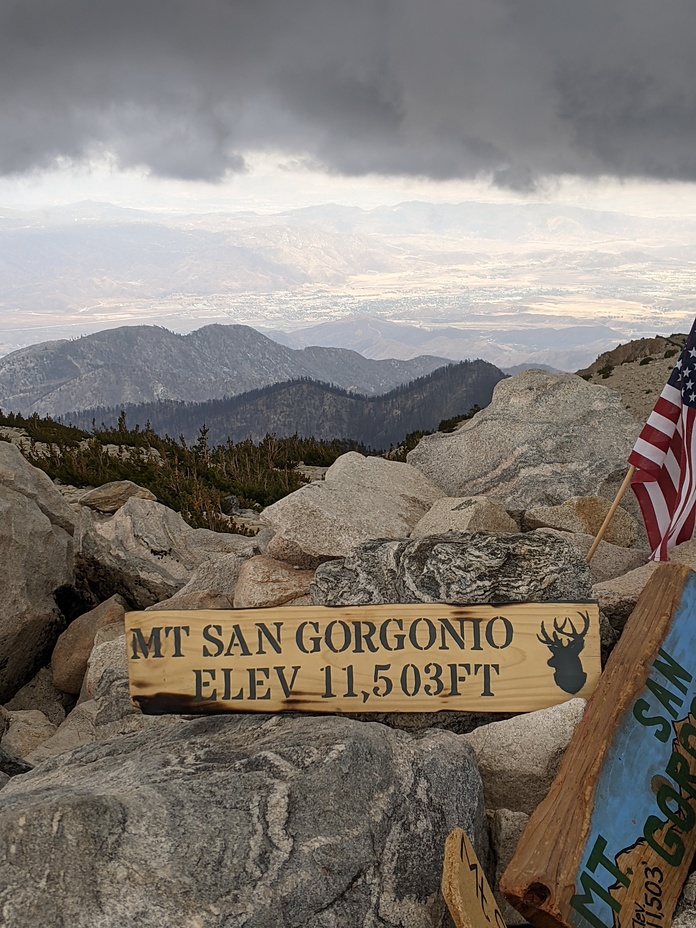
x=320 y=410
x=506 y=342
x=141 y=364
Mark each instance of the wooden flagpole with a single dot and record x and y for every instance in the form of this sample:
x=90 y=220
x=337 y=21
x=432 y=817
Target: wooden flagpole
x=614 y=506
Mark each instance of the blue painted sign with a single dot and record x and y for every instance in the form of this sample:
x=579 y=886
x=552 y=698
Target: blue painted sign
x=630 y=825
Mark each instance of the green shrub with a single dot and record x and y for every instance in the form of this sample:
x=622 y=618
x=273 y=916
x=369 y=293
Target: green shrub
x=399 y=452
x=191 y=480
x=45 y=430
x=449 y=425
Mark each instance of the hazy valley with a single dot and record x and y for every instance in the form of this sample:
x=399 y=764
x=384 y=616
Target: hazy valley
x=512 y=284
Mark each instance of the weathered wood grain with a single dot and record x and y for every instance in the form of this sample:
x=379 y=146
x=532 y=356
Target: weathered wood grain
x=391 y=658
x=611 y=844
x=465 y=888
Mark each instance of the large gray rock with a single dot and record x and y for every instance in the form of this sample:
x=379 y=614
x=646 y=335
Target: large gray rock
x=618 y=596
x=41 y=693
x=284 y=549
x=77 y=729
x=464 y=514
x=73 y=648
x=266 y=582
x=147 y=552
x=212 y=585
x=544 y=438
x=28 y=729
x=586 y=514
x=109 y=497
x=519 y=757
x=200 y=599
x=110 y=714
x=361 y=498
x=265 y=821
x=218 y=574
x=609 y=560
x=458 y=568
x=107 y=656
x=36 y=562
x=17 y=474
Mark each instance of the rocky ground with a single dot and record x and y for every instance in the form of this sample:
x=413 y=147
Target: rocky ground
x=637 y=371
x=109 y=817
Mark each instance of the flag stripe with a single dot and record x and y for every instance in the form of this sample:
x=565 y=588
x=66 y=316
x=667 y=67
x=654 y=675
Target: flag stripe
x=670 y=396
x=665 y=459
x=660 y=423
x=665 y=410
x=651 y=450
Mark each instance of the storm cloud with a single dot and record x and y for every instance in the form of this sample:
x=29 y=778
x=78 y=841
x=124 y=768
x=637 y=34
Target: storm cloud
x=512 y=89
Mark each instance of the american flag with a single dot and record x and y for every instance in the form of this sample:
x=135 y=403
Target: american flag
x=665 y=459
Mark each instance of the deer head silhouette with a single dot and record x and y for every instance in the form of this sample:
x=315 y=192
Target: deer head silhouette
x=565 y=646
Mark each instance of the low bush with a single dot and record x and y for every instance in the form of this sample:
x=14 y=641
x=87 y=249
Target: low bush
x=193 y=480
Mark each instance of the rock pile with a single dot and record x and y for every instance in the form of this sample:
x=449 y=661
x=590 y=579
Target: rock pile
x=110 y=817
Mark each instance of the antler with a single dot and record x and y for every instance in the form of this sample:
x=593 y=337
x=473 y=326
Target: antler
x=574 y=633
x=572 y=636
x=546 y=639
x=585 y=616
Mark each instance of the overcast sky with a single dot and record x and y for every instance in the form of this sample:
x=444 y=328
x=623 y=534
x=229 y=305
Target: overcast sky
x=512 y=94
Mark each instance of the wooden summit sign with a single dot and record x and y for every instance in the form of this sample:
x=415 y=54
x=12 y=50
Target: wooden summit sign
x=392 y=658
x=611 y=844
x=468 y=896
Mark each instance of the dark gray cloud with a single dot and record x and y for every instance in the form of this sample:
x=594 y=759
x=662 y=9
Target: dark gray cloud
x=517 y=89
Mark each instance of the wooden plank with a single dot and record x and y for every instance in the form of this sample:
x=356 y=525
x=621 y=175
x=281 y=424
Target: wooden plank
x=392 y=658
x=465 y=888
x=611 y=844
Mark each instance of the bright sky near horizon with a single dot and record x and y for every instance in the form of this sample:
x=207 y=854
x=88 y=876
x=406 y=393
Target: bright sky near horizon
x=274 y=183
